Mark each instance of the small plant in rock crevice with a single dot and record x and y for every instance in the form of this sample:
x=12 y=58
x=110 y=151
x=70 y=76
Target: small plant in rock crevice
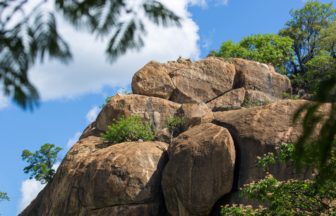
x=248 y=104
x=173 y=124
x=127 y=130
x=292 y=97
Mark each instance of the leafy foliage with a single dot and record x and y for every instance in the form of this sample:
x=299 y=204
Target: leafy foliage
x=41 y=162
x=263 y=48
x=127 y=130
x=124 y=92
x=173 y=124
x=324 y=147
x=3 y=196
x=292 y=97
x=36 y=35
x=304 y=29
x=292 y=197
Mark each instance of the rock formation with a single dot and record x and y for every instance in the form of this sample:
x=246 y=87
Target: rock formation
x=203 y=167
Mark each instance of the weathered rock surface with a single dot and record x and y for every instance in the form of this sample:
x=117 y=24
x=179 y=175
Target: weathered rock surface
x=201 y=81
x=152 y=80
x=199 y=171
x=253 y=75
x=152 y=109
x=163 y=136
x=257 y=131
x=189 y=112
x=98 y=179
x=258 y=97
x=232 y=99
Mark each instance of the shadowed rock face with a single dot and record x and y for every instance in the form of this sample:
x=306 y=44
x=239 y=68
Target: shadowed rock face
x=152 y=80
x=253 y=75
x=97 y=179
x=201 y=81
x=199 y=171
x=257 y=131
x=152 y=109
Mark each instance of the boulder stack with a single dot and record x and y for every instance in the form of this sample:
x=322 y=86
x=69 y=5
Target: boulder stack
x=200 y=169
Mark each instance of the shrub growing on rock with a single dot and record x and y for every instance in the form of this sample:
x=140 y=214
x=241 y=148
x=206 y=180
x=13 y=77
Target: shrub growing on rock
x=173 y=124
x=127 y=130
x=292 y=197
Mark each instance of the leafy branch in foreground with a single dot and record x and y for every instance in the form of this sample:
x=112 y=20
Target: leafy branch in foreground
x=3 y=196
x=41 y=162
x=127 y=130
x=292 y=197
x=35 y=35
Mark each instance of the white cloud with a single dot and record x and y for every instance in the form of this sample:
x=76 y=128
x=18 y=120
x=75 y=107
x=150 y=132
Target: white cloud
x=92 y=114
x=207 y=40
x=224 y=2
x=4 y=101
x=90 y=73
x=73 y=140
x=29 y=190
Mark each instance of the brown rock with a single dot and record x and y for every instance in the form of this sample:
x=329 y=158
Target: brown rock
x=91 y=130
x=152 y=80
x=152 y=109
x=253 y=75
x=199 y=171
x=207 y=118
x=189 y=112
x=163 y=136
x=257 y=131
x=258 y=97
x=232 y=99
x=201 y=81
x=98 y=179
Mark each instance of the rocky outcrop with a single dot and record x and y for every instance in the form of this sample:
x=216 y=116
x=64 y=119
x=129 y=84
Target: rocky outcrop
x=231 y=100
x=97 y=179
x=152 y=109
x=201 y=81
x=262 y=77
x=199 y=171
x=203 y=167
x=152 y=80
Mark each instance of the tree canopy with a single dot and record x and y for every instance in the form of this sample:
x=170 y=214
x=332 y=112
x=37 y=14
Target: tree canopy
x=263 y=48
x=304 y=29
x=35 y=35
x=41 y=162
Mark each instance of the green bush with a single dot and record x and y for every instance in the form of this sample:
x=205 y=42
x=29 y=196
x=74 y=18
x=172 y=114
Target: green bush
x=127 y=130
x=172 y=124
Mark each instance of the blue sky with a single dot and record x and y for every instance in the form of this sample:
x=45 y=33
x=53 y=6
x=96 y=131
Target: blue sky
x=71 y=94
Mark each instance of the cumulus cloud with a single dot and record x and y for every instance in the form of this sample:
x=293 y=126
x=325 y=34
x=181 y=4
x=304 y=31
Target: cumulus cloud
x=89 y=72
x=92 y=114
x=73 y=140
x=29 y=190
x=4 y=101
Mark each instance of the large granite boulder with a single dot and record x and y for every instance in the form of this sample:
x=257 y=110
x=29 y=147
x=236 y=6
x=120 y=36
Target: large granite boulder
x=199 y=171
x=257 y=131
x=231 y=100
x=96 y=178
x=152 y=80
x=152 y=109
x=253 y=75
x=200 y=81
